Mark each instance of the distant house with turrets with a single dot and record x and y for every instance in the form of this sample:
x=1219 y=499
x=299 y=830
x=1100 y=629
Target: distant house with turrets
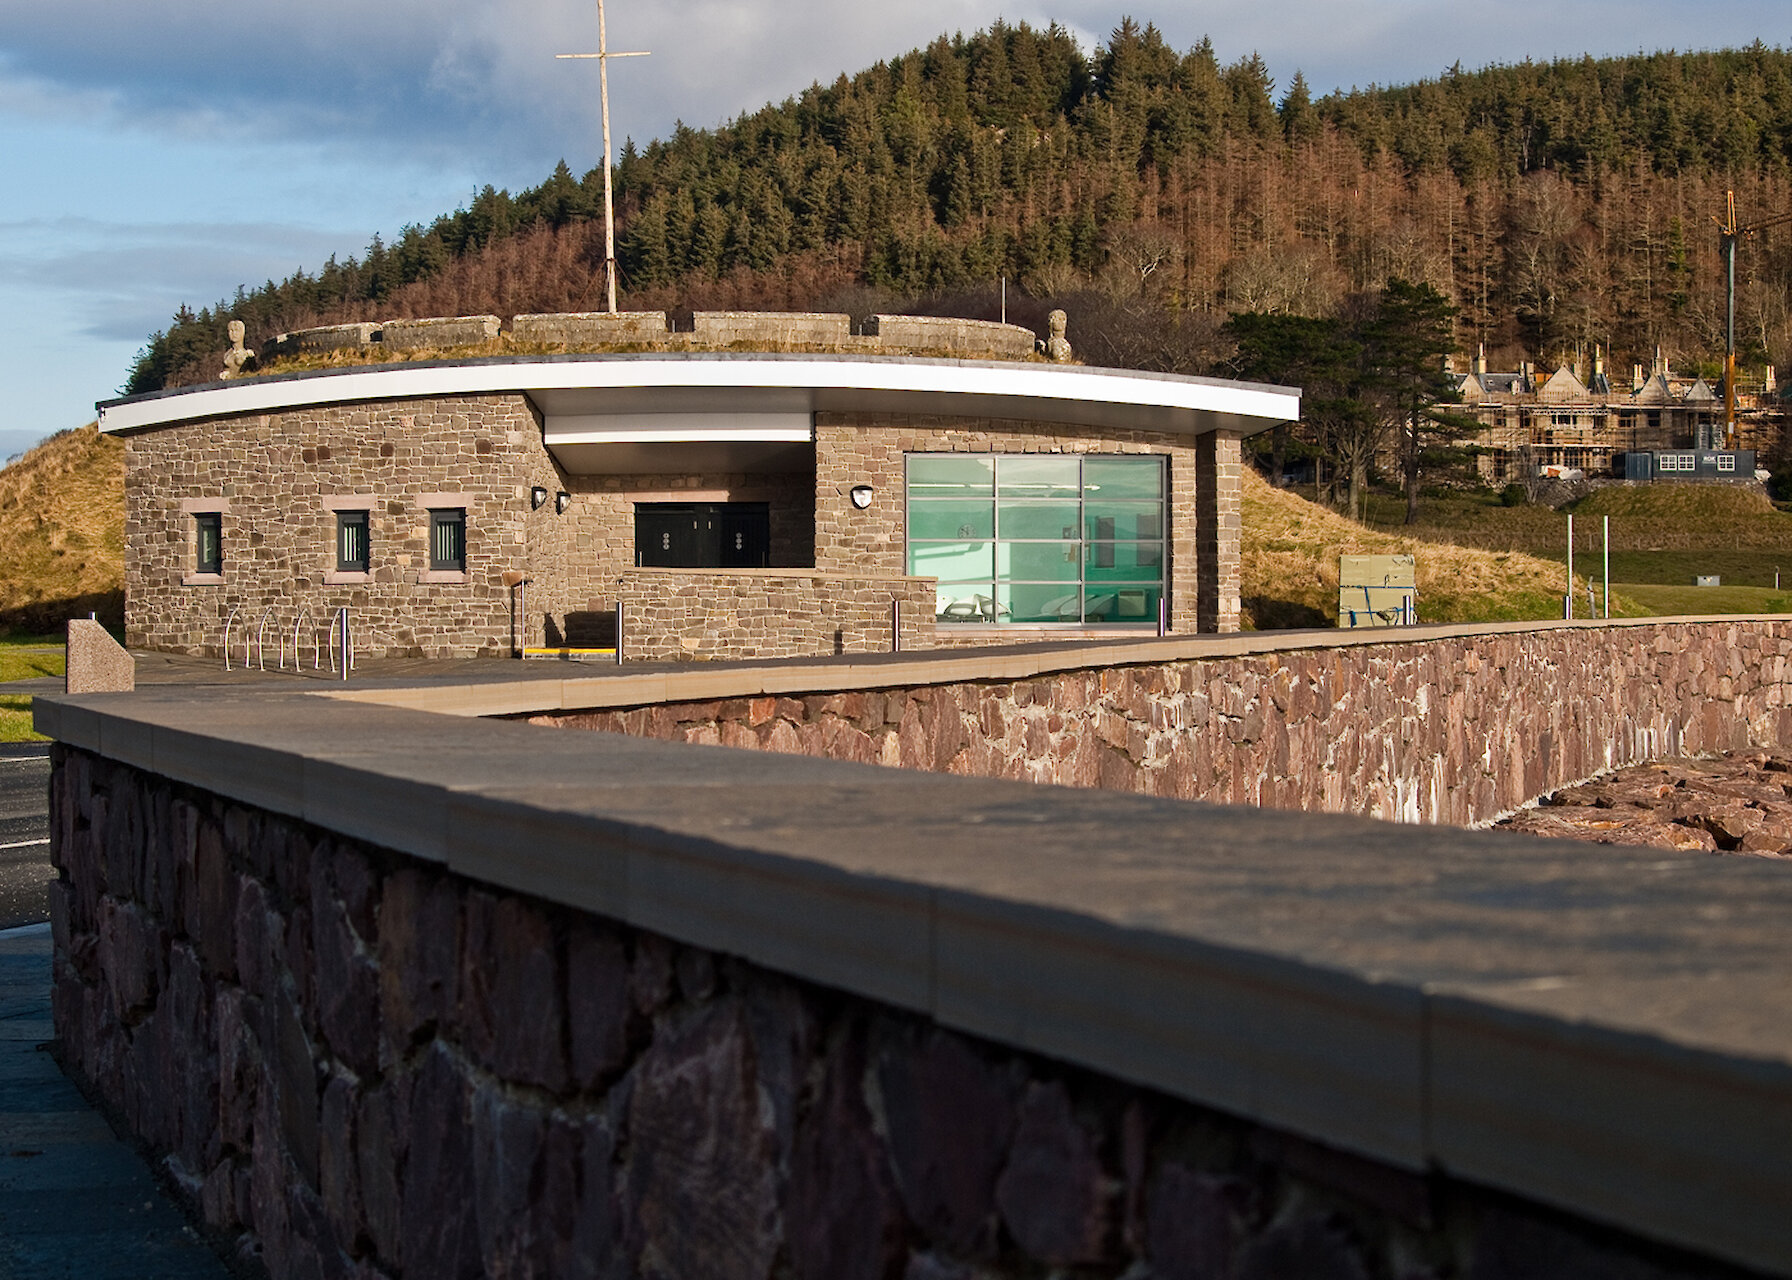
x=1659 y=426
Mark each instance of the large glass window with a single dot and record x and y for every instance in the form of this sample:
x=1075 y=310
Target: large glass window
x=1045 y=540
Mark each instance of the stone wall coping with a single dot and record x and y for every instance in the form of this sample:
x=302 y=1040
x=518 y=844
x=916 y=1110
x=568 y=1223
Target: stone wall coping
x=599 y=688
x=1607 y=1030
x=584 y=384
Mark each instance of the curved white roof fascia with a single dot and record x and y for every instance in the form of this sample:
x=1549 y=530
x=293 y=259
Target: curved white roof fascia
x=635 y=384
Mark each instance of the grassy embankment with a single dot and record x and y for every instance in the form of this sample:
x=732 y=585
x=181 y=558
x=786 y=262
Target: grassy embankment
x=61 y=557
x=1290 y=568
x=1662 y=536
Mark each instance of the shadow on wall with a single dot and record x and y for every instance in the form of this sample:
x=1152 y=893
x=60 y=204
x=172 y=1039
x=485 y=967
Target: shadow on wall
x=42 y=617
x=584 y=629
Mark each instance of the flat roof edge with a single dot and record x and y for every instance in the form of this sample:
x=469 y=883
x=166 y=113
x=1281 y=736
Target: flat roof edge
x=838 y=375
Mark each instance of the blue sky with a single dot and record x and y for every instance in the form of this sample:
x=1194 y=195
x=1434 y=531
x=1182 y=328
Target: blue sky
x=168 y=151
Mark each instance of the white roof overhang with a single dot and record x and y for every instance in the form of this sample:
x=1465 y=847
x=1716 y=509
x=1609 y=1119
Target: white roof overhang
x=621 y=412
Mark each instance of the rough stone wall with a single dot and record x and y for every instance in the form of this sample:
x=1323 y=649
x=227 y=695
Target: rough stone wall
x=273 y=474
x=1457 y=730
x=590 y=328
x=949 y=334
x=673 y=615
x=333 y=337
x=769 y=328
x=446 y=331
x=853 y=449
x=353 y=1063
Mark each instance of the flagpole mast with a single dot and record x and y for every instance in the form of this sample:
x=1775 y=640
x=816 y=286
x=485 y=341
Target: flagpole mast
x=603 y=56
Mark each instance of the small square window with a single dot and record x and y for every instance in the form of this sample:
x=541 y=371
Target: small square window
x=448 y=540
x=352 y=549
x=208 y=542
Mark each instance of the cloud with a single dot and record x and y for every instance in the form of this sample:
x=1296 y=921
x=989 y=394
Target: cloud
x=120 y=281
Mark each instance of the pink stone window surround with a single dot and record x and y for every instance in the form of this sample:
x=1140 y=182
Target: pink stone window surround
x=439 y=502
x=332 y=505
x=190 y=507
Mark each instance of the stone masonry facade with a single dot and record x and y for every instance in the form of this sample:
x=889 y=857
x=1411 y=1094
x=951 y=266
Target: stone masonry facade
x=1456 y=730
x=275 y=483
x=275 y=478
x=689 y=615
x=272 y=478
x=353 y=1063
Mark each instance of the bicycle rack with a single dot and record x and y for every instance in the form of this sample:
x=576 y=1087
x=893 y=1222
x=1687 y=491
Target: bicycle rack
x=261 y=656
x=340 y=618
x=228 y=620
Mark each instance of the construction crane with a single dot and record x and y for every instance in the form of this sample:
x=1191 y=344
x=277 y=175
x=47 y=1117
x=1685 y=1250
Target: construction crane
x=1733 y=232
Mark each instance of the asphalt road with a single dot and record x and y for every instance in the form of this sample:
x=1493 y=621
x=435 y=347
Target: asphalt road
x=25 y=871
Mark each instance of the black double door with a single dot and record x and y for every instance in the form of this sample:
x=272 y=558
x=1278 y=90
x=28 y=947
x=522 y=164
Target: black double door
x=703 y=535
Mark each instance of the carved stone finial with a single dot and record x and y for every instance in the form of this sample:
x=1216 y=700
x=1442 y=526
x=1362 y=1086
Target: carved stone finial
x=238 y=356
x=1057 y=346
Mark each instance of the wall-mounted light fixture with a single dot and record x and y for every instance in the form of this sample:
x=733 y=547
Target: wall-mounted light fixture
x=537 y=496
x=562 y=501
x=860 y=495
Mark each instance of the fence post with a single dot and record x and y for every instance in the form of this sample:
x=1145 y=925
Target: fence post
x=619 y=611
x=1568 y=594
x=895 y=624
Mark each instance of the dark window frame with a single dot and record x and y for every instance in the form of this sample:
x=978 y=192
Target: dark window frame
x=348 y=522
x=448 y=523
x=208 y=542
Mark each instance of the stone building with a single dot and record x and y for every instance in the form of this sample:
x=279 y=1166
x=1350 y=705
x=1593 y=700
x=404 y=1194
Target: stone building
x=1535 y=425
x=682 y=502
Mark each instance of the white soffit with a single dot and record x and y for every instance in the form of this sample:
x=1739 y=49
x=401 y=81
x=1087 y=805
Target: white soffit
x=662 y=428
x=735 y=385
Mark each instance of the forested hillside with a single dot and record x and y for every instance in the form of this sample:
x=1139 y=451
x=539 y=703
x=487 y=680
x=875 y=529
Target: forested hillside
x=1153 y=192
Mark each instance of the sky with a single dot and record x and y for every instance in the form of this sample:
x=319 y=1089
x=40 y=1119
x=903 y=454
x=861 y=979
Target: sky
x=168 y=151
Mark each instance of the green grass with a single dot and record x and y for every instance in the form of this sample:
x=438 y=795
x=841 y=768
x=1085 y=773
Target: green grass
x=29 y=664
x=1669 y=600
x=15 y=719
x=1644 y=518
x=1678 y=568
x=25 y=658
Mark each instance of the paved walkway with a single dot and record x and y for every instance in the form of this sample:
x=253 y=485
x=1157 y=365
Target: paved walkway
x=25 y=871
x=75 y=1202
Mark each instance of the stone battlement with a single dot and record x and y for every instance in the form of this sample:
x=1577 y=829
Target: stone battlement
x=947 y=336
